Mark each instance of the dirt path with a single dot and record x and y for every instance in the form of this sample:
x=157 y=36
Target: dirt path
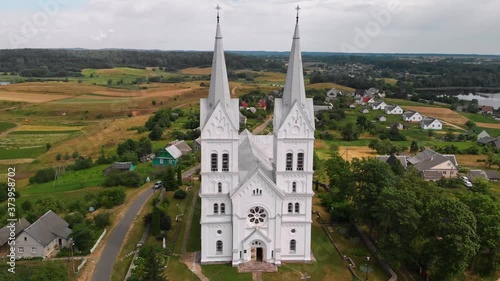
x=262 y=126
x=6 y=132
x=190 y=260
x=233 y=91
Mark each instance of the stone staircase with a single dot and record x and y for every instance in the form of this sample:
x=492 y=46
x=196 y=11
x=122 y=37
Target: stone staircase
x=257 y=267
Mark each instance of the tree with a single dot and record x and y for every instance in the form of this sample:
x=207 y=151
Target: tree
x=66 y=156
x=169 y=179
x=180 y=194
x=362 y=122
x=487 y=213
x=179 y=176
x=83 y=237
x=153 y=102
x=102 y=220
x=44 y=175
x=156 y=133
x=75 y=155
x=154 y=269
x=48 y=146
x=470 y=124
x=398 y=221
x=414 y=146
x=155 y=221
x=350 y=132
x=451 y=238
x=58 y=156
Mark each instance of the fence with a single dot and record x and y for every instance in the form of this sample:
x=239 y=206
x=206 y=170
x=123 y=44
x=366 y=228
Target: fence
x=98 y=241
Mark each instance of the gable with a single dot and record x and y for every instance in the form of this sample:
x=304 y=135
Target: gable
x=296 y=124
x=219 y=125
x=258 y=181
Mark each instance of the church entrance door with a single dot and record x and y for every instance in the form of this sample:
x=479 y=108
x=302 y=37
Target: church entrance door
x=259 y=257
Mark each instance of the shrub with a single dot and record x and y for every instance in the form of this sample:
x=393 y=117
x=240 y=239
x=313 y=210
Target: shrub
x=111 y=197
x=180 y=194
x=81 y=164
x=102 y=220
x=128 y=179
x=74 y=219
x=44 y=175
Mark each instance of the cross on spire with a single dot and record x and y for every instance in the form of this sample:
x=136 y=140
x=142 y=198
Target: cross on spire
x=218 y=8
x=298 y=9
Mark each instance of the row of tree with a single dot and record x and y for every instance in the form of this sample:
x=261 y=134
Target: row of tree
x=413 y=222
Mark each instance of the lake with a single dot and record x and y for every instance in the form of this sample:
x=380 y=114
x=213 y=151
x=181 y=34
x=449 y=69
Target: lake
x=4 y=83
x=483 y=99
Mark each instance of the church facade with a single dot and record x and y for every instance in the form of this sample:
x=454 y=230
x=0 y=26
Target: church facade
x=256 y=190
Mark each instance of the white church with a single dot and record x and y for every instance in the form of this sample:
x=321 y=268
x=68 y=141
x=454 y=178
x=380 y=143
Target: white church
x=256 y=190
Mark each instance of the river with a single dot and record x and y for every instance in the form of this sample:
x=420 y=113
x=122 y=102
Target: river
x=483 y=99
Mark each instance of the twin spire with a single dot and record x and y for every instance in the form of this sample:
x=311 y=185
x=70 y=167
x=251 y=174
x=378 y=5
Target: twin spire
x=294 y=84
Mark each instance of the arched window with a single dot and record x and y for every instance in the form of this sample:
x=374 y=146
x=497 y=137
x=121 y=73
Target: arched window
x=289 y=161
x=297 y=208
x=218 y=247
x=219 y=187
x=290 y=208
x=293 y=245
x=225 y=162
x=222 y=208
x=300 y=162
x=294 y=187
x=216 y=209
x=213 y=159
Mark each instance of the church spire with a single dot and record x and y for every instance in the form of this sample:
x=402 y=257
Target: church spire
x=219 y=85
x=294 y=84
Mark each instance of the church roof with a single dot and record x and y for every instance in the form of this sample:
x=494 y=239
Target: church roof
x=255 y=153
x=294 y=89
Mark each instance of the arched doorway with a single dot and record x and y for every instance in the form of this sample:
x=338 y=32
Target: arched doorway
x=258 y=251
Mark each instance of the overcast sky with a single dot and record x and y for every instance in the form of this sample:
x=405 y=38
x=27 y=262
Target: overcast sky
x=381 y=26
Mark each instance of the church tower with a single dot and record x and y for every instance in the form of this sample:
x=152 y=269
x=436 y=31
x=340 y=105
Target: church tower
x=219 y=124
x=293 y=157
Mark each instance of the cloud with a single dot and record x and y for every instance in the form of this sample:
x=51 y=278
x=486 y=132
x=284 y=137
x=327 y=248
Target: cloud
x=448 y=26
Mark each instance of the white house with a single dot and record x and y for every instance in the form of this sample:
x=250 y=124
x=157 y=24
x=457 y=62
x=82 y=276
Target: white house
x=379 y=105
x=43 y=238
x=381 y=118
x=332 y=94
x=256 y=190
x=393 y=109
x=431 y=124
x=412 y=116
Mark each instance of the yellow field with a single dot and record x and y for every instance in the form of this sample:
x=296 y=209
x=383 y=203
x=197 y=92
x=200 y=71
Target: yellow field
x=31 y=98
x=471 y=160
x=351 y=152
x=41 y=128
x=329 y=86
x=445 y=114
x=197 y=71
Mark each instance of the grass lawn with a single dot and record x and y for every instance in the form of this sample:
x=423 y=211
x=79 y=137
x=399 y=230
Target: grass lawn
x=178 y=271
x=71 y=180
x=476 y=117
x=26 y=269
x=32 y=152
x=401 y=102
x=4 y=126
x=194 y=242
x=225 y=272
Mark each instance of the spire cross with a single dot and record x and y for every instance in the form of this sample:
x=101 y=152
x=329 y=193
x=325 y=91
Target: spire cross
x=298 y=9
x=218 y=8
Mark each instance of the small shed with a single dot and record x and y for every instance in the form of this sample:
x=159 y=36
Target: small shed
x=119 y=166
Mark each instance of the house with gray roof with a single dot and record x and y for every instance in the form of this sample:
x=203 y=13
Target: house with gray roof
x=183 y=147
x=120 y=166
x=393 y=109
x=390 y=159
x=43 y=238
x=5 y=232
x=431 y=124
x=483 y=134
x=412 y=116
x=432 y=165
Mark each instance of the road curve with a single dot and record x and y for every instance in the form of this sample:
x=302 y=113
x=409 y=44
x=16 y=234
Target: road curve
x=110 y=252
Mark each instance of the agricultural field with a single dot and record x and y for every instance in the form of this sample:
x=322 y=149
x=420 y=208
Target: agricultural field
x=4 y=126
x=445 y=114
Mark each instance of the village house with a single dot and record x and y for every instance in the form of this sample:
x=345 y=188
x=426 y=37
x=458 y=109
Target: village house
x=147 y=157
x=368 y=100
x=120 y=166
x=434 y=166
x=262 y=104
x=486 y=109
x=169 y=156
x=197 y=144
x=483 y=134
x=379 y=105
x=318 y=108
x=391 y=159
x=5 y=231
x=431 y=124
x=182 y=146
x=393 y=109
x=364 y=110
x=333 y=94
x=381 y=118
x=412 y=116
x=494 y=142
x=43 y=238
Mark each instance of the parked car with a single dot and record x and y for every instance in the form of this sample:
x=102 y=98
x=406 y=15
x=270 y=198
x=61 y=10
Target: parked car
x=464 y=178
x=468 y=183
x=158 y=185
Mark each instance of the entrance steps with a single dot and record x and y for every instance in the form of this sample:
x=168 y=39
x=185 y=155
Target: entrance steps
x=257 y=267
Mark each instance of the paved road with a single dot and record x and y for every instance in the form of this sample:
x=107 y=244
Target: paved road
x=110 y=252
x=262 y=126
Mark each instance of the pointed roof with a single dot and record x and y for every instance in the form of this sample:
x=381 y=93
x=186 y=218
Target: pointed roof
x=294 y=90
x=219 y=84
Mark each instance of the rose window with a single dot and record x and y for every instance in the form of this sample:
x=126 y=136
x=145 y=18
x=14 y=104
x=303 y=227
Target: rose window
x=257 y=215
